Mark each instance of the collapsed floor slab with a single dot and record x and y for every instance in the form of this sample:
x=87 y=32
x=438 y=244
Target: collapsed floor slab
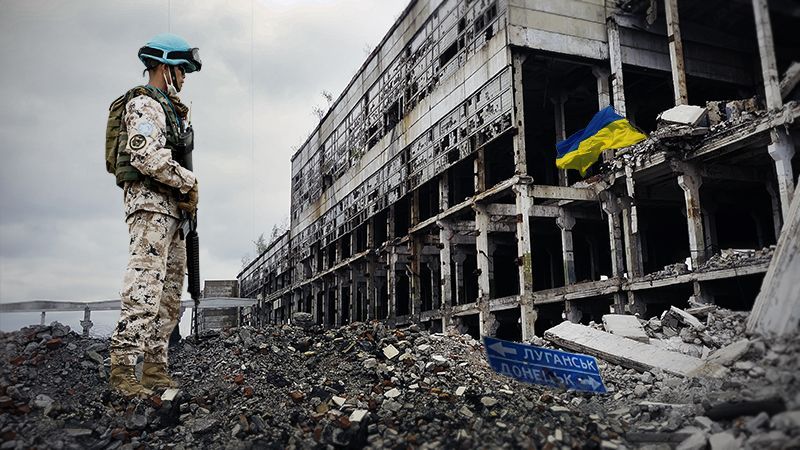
x=623 y=351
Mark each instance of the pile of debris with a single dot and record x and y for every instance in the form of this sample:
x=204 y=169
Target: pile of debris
x=365 y=385
x=730 y=258
x=670 y=270
x=743 y=391
x=684 y=128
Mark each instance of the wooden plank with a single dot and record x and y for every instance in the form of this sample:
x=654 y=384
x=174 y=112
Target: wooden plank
x=623 y=351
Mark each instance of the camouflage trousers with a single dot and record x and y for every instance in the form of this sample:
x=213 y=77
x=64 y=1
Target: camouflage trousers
x=151 y=290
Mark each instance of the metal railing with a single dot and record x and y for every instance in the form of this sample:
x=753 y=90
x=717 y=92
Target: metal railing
x=45 y=306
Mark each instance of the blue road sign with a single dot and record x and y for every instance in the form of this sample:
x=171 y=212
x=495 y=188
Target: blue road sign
x=544 y=366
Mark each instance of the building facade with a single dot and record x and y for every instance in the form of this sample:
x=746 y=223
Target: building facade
x=429 y=193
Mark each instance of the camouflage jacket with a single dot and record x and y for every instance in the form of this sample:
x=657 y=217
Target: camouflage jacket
x=146 y=124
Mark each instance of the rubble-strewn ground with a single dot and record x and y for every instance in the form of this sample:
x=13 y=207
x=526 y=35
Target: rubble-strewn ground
x=366 y=385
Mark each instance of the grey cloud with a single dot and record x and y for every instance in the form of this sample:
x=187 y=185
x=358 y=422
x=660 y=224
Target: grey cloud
x=62 y=234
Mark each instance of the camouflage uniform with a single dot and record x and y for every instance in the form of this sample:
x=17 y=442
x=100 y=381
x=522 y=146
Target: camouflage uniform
x=153 y=281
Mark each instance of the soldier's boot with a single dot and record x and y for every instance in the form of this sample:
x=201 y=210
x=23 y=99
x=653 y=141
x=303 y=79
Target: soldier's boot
x=154 y=376
x=123 y=380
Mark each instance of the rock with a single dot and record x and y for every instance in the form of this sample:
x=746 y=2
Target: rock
x=390 y=351
x=786 y=421
x=488 y=401
x=339 y=400
x=303 y=320
x=697 y=441
x=756 y=423
x=246 y=338
x=358 y=415
x=204 y=425
x=42 y=401
x=703 y=422
x=723 y=441
x=730 y=353
x=464 y=411
x=392 y=393
x=460 y=390
x=95 y=357
x=77 y=432
x=370 y=363
x=169 y=394
x=392 y=406
x=640 y=390
x=54 y=343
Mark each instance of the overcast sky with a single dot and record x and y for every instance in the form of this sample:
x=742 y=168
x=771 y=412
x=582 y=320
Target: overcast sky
x=62 y=230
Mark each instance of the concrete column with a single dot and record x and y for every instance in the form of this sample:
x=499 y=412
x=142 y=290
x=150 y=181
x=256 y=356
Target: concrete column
x=561 y=131
x=782 y=148
x=777 y=213
x=528 y=313
x=458 y=258
x=356 y=277
x=391 y=274
x=487 y=326
x=86 y=323
x=480 y=171
x=709 y=212
x=416 y=278
x=445 y=252
x=315 y=290
x=610 y=205
x=615 y=60
x=566 y=222
x=690 y=181
x=676 y=52
x=436 y=297
x=339 y=283
x=633 y=247
x=520 y=155
x=391 y=284
x=603 y=97
x=369 y=295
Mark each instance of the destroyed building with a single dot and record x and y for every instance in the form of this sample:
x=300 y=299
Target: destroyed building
x=429 y=193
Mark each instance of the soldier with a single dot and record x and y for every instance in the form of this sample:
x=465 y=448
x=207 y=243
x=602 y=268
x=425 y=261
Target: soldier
x=145 y=154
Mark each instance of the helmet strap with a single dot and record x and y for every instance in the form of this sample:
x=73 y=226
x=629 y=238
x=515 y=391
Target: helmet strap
x=174 y=78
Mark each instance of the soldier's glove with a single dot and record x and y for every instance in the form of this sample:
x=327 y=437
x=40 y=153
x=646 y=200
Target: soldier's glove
x=188 y=202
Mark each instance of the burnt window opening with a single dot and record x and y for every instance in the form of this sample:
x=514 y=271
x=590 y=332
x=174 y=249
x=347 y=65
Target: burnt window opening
x=448 y=54
x=479 y=24
x=392 y=115
x=402 y=294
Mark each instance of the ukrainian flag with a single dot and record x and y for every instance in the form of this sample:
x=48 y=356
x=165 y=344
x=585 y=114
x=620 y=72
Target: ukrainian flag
x=607 y=130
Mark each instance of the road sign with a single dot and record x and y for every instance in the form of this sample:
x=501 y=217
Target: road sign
x=544 y=366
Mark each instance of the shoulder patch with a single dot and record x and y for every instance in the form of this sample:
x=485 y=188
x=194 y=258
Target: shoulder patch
x=145 y=128
x=137 y=142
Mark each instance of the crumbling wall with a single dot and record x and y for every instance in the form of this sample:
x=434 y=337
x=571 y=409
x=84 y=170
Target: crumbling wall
x=777 y=307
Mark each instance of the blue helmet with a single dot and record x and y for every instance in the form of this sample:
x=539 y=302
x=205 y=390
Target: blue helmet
x=171 y=50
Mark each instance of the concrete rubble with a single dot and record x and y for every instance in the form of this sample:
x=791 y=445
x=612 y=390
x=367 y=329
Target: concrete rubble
x=289 y=387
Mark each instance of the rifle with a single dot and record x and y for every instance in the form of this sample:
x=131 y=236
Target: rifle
x=189 y=230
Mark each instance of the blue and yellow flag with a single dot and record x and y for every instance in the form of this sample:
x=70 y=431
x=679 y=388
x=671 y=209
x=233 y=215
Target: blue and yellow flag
x=607 y=130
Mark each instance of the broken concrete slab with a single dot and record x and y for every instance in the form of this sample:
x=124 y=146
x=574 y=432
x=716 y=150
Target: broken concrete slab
x=675 y=314
x=790 y=79
x=626 y=326
x=625 y=352
x=729 y=354
x=684 y=114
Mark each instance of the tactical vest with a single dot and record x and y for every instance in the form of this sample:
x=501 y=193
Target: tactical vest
x=118 y=159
